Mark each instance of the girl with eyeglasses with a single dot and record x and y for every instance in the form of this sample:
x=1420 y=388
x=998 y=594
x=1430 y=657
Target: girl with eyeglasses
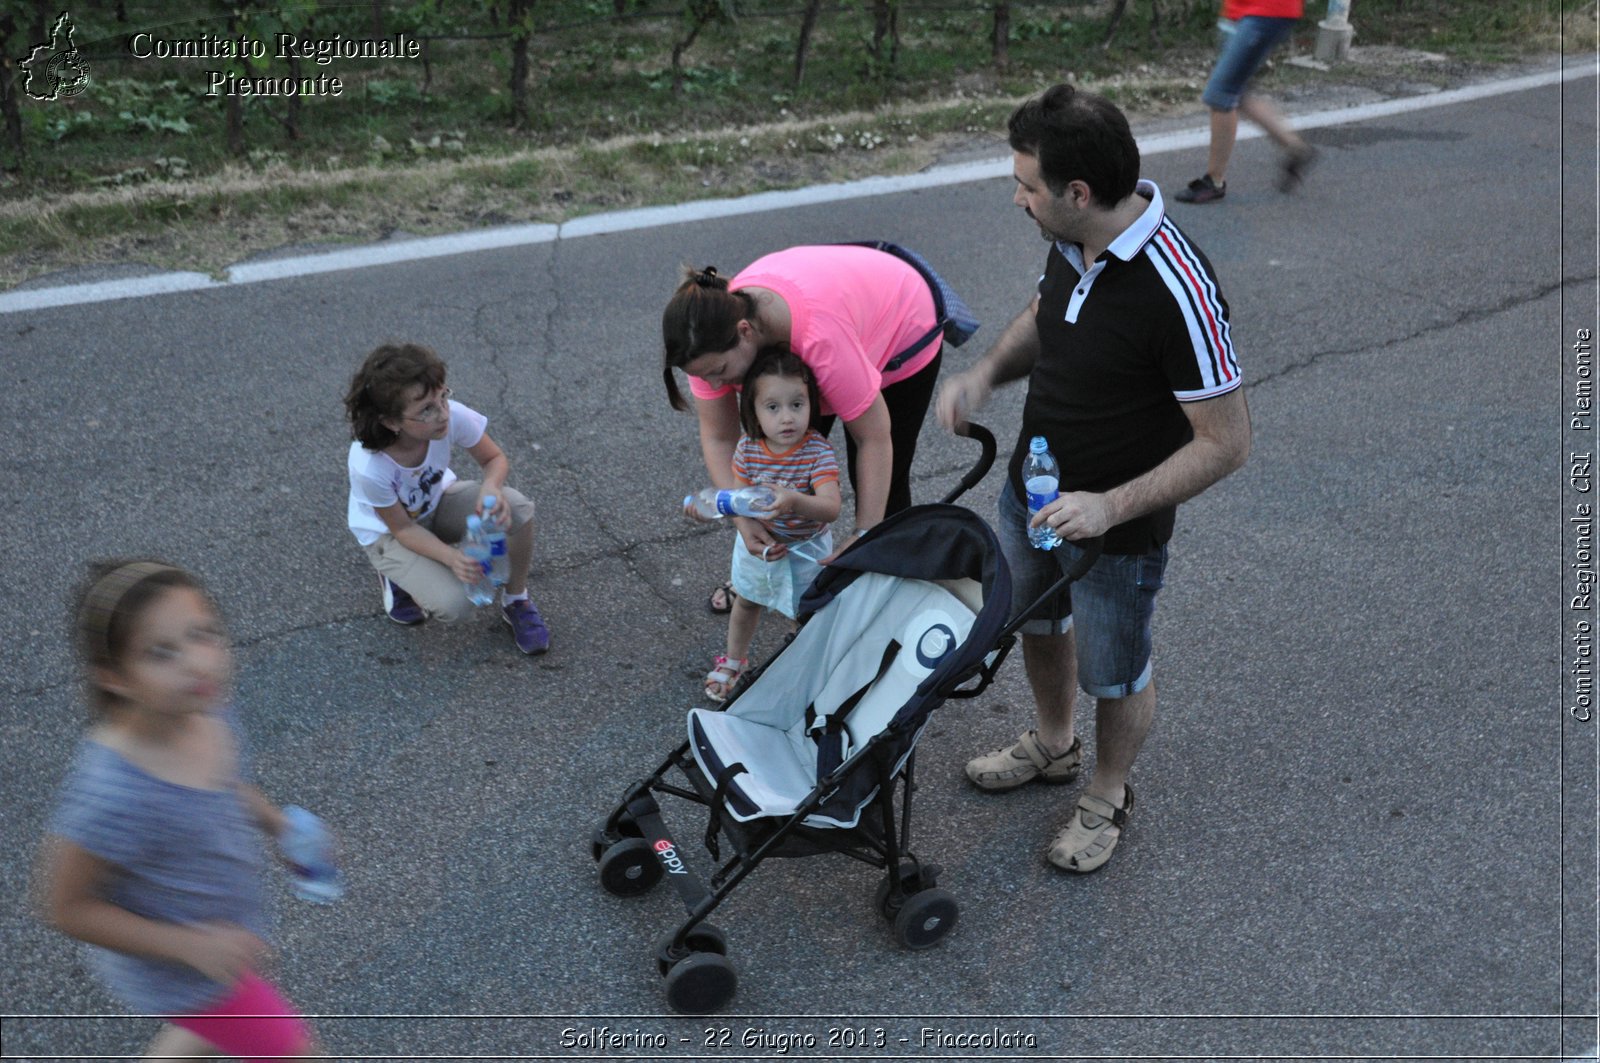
x=407 y=508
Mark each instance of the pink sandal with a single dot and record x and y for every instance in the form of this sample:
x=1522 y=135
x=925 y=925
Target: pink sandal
x=725 y=672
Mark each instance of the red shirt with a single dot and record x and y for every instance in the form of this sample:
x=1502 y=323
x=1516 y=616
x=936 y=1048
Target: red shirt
x=1236 y=9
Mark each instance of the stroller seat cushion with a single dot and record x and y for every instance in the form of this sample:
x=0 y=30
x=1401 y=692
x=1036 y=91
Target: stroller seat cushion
x=845 y=678
x=777 y=776
x=923 y=641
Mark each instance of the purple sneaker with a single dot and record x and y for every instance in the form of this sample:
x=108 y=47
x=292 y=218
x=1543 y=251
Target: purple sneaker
x=527 y=626
x=401 y=607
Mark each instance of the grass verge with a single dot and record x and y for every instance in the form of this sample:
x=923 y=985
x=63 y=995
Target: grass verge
x=107 y=199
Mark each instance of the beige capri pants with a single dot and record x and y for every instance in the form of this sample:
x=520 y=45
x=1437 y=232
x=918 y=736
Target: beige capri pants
x=433 y=585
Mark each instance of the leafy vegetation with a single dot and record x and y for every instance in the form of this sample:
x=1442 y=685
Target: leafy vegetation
x=507 y=109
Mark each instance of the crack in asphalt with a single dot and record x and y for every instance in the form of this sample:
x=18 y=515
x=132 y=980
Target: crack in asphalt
x=263 y=639
x=1466 y=317
x=623 y=550
x=269 y=639
x=486 y=337
x=560 y=428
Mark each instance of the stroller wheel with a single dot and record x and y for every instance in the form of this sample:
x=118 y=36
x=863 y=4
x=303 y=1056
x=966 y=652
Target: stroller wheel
x=925 y=919
x=913 y=879
x=701 y=983
x=600 y=840
x=629 y=868
x=604 y=836
x=703 y=938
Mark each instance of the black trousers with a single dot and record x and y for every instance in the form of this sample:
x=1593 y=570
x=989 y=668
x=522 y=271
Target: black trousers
x=908 y=402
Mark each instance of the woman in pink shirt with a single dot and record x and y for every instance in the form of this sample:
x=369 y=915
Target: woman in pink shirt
x=858 y=317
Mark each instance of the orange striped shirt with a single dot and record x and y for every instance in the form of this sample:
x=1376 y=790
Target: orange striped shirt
x=800 y=468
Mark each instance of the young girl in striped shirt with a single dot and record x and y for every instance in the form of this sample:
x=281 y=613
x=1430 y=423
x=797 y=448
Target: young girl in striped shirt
x=778 y=405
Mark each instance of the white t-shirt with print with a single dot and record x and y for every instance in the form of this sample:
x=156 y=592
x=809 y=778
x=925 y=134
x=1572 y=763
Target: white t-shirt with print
x=377 y=480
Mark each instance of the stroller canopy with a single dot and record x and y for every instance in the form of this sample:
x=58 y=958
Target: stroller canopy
x=937 y=542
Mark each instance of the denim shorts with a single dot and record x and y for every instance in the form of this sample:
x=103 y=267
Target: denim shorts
x=1245 y=46
x=1109 y=610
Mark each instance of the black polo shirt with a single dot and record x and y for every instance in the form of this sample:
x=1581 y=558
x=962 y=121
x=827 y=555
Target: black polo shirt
x=1122 y=344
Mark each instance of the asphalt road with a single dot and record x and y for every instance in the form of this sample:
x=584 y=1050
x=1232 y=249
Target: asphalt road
x=1366 y=823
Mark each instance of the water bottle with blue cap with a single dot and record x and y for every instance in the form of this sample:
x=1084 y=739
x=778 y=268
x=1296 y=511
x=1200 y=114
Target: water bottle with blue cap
x=495 y=536
x=757 y=500
x=1041 y=478
x=480 y=590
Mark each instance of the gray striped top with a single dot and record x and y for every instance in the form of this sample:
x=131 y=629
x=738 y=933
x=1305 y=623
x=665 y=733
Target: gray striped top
x=181 y=855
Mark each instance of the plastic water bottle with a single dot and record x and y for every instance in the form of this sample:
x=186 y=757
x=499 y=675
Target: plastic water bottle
x=475 y=546
x=757 y=500
x=308 y=846
x=495 y=536
x=1041 y=477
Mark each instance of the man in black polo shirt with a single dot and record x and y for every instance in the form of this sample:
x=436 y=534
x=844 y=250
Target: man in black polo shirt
x=1132 y=380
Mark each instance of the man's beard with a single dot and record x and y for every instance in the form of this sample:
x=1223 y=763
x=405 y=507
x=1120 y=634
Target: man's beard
x=1044 y=231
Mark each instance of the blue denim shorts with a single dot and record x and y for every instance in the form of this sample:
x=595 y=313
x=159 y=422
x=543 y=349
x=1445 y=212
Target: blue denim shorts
x=1109 y=610
x=1245 y=46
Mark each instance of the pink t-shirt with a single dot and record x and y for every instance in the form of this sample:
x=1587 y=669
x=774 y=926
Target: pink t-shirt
x=851 y=309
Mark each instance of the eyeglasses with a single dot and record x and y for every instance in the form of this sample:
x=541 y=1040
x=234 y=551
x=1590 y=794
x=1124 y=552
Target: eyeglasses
x=433 y=412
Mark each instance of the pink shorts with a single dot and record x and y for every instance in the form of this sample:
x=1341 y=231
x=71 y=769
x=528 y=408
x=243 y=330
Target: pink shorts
x=252 y=1022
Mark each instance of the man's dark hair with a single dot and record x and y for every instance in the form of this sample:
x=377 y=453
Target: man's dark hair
x=1078 y=136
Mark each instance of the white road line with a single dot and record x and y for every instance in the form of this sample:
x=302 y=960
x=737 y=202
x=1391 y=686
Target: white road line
x=706 y=209
x=100 y=291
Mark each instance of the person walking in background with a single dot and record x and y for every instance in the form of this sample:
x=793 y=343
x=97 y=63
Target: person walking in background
x=1250 y=30
x=781 y=449
x=408 y=510
x=151 y=856
x=1132 y=380
x=864 y=321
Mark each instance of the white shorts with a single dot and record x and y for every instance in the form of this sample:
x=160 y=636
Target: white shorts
x=779 y=584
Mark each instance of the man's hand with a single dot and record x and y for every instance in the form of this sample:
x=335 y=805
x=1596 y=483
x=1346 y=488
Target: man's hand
x=1078 y=515
x=961 y=395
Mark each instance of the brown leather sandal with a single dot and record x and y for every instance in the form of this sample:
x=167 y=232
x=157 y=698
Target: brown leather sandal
x=1023 y=762
x=1096 y=827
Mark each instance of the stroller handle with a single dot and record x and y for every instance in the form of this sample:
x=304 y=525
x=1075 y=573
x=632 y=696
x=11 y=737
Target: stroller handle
x=985 y=461
x=1091 y=553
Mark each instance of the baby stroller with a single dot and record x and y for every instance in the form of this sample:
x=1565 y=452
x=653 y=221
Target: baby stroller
x=804 y=756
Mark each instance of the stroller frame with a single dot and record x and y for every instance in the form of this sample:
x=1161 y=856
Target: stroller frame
x=635 y=849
